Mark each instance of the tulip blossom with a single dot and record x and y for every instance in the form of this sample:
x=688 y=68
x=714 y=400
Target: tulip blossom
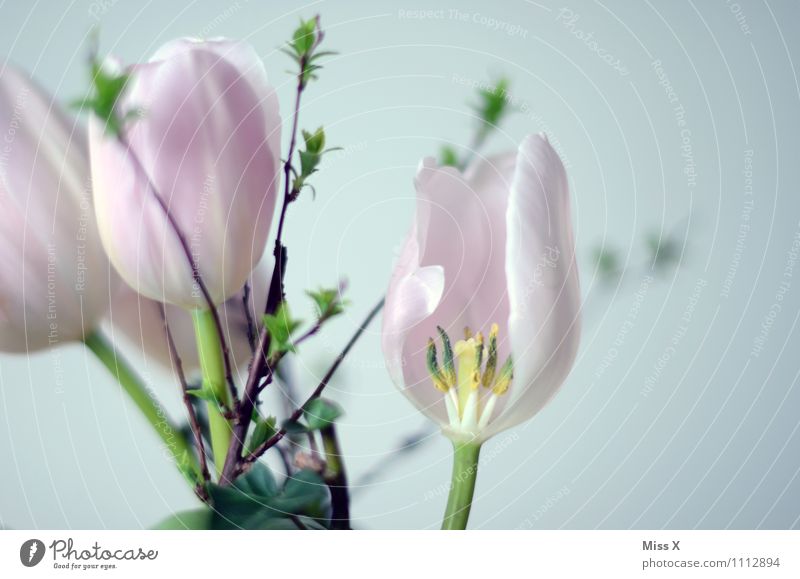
x=54 y=275
x=490 y=256
x=205 y=143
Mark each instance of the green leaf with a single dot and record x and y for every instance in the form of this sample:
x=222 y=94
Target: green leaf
x=493 y=102
x=206 y=393
x=607 y=262
x=448 y=157
x=194 y=520
x=254 y=502
x=304 y=36
x=315 y=142
x=258 y=481
x=328 y=302
x=308 y=163
x=108 y=90
x=294 y=427
x=281 y=326
x=321 y=413
x=263 y=431
x=663 y=250
x=304 y=493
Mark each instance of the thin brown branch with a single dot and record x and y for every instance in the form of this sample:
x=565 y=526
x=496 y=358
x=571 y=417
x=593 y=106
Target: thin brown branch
x=295 y=416
x=195 y=425
x=248 y=316
x=260 y=369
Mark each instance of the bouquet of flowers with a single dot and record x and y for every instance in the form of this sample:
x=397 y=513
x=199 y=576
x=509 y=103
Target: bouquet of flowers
x=167 y=215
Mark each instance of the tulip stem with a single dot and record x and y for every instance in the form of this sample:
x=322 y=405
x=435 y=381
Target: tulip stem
x=212 y=366
x=462 y=485
x=140 y=395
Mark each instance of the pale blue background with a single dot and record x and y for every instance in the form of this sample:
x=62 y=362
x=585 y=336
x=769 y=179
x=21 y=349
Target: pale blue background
x=714 y=445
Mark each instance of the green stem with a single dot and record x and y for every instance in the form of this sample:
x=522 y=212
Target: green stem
x=151 y=410
x=212 y=365
x=462 y=485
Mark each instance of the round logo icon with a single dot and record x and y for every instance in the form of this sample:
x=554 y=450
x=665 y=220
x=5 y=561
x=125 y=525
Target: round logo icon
x=32 y=552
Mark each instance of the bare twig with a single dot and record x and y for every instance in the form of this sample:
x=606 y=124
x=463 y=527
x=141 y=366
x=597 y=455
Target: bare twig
x=260 y=369
x=295 y=416
x=248 y=316
x=195 y=425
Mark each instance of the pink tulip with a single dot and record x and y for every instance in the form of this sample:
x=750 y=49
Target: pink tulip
x=54 y=275
x=208 y=139
x=490 y=252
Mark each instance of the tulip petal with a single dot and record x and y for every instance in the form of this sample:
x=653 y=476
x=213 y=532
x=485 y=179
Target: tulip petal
x=54 y=276
x=543 y=287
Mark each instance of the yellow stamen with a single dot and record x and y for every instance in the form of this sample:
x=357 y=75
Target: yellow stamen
x=460 y=376
x=504 y=378
x=464 y=350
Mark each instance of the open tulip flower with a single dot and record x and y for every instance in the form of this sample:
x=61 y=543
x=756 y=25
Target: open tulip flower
x=490 y=257
x=205 y=137
x=54 y=275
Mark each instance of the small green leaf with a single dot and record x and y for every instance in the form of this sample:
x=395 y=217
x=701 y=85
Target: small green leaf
x=207 y=393
x=304 y=493
x=108 y=89
x=493 y=102
x=663 y=250
x=328 y=302
x=448 y=157
x=258 y=481
x=304 y=36
x=607 y=262
x=315 y=142
x=321 y=413
x=263 y=431
x=281 y=326
x=294 y=427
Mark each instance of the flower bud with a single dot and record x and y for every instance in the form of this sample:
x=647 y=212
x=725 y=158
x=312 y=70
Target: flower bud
x=205 y=145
